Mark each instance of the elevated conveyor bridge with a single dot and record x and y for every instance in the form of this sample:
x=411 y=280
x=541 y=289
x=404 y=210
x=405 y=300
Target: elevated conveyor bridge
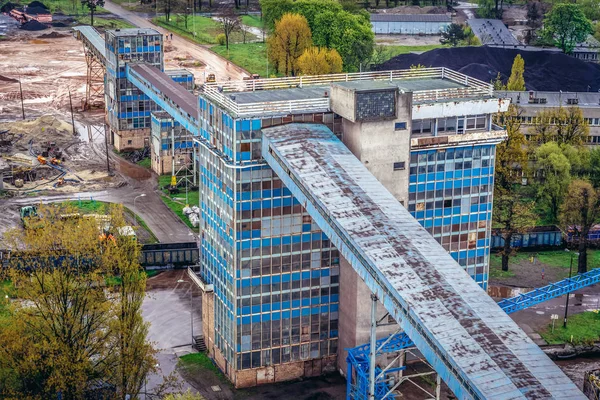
x=94 y=49
x=169 y=95
x=465 y=336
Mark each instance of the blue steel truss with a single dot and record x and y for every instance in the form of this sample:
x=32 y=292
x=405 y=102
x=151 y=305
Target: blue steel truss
x=358 y=357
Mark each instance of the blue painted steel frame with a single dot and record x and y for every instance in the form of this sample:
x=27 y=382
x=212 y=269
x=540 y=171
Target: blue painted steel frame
x=357 y=359
x=190 y=125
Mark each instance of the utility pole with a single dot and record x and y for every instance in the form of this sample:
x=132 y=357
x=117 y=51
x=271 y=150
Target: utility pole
x=567 y=303
x=22 y=104
x=71 y=105
x=106 y=145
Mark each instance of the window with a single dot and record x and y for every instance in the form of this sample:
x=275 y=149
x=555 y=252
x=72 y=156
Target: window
x=399 y=165
x=129 y=142
x=400 y=126
x=447 y=203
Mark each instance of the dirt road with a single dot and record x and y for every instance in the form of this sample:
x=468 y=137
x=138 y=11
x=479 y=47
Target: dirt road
x=215 y=64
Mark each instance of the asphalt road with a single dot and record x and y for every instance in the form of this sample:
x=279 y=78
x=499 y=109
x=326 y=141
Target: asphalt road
x=165 y=225
x=215 y=63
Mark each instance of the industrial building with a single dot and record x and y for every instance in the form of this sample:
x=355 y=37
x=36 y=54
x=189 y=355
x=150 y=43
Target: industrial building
x=531 y=103
x=410 y=24
x=302 y=182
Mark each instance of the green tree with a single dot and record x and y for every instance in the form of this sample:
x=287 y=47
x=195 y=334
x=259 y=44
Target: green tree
x=594 y=167
x=516 y=81
x=452 y=35
x=555 y=171
x=511 y=213
x=72 y=331
x=350 y=34
x=564 y=125
x=498 y=84
x=92 y=5
x=579 y=213
x=567 y=24
x=287 y=43
x=591 y=9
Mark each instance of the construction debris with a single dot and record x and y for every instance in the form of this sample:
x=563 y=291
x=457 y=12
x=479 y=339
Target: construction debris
x=193 y=214
x=43 y=154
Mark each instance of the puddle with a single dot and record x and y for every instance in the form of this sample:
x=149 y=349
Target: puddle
x=132 y=170
x=504 y=292
x=90 y=133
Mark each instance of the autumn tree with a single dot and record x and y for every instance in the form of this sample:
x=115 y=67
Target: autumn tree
x=555 y=175
x=92 y=5
x=511 y=213
x=578 y=214
x=230 y=22
x=72 y=332
x=290 y=39
x=564 y=125
x=452 y=35
x=516 y=81
x=318 y=61
x=568 y=25
x=184 y=396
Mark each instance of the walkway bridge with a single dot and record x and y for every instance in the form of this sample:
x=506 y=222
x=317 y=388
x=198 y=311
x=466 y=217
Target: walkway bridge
x=467 y=338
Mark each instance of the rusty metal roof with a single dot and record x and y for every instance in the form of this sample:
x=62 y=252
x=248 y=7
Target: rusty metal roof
x=474 y=345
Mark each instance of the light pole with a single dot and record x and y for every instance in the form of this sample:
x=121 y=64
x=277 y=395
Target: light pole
x=567 y=302
x=191 y=306
x=134 y=199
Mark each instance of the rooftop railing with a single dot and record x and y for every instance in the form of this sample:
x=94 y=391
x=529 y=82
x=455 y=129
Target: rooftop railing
x=223 y=92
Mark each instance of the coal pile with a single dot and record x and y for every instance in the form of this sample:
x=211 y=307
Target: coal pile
x=544 y=70
x=38 y=4
x=51 y=35
x=8 y=7
x=36 y=10
x=33 y=25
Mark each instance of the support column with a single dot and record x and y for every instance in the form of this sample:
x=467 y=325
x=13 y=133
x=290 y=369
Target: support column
x=194 y=162
x=438 y=387
x=373 y=350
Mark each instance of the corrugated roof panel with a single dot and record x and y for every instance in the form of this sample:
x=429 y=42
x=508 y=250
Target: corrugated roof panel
x=410 y=18
x=471 y=337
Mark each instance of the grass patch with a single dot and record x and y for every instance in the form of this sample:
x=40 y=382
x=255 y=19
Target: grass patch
x=110 y=23
x=250 y=56
x=558 y=259
x=584 y=327
x=253 y=20
x=196 y=362
x=206 y=29
x=88 y=206
x=176 y=201
x=496 y=272
x=146 y=163
x=116 y=280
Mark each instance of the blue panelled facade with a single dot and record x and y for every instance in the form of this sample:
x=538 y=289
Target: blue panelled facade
x=275 y=274
x=450 y=194
x=127 y=107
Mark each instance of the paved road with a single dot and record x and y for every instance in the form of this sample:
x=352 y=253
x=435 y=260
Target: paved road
x=165 y=225
x=215 y=63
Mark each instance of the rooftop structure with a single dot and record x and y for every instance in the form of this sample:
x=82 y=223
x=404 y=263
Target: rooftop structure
x=410 y=24
x=310 y=93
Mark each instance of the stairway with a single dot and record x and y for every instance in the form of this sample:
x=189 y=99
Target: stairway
x=199 y=343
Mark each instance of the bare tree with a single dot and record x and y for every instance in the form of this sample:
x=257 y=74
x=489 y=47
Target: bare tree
x=230 y=21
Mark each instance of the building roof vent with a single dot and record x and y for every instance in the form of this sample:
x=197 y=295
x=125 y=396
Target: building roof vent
x=573 y=101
